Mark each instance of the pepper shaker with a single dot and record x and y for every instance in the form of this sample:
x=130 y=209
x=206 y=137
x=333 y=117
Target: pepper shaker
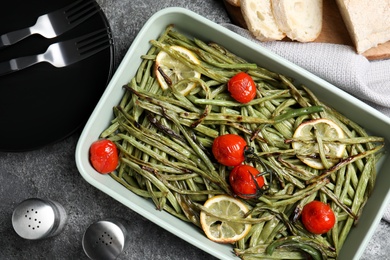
x=37 y=218
x=105 y=239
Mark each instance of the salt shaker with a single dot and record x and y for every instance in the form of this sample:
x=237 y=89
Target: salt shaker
x=37 y=218
x=105 y=239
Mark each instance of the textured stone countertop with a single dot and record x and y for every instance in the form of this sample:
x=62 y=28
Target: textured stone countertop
x=51 y=172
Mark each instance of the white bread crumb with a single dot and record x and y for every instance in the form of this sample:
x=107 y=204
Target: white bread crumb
x=301 y=20
x=260 y=20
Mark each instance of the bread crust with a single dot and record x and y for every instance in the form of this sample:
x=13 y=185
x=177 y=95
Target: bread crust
x=234 y=2
x=259 y=18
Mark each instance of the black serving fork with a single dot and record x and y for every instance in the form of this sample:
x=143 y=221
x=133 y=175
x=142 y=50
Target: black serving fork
x=64 y=53
x=55 y=23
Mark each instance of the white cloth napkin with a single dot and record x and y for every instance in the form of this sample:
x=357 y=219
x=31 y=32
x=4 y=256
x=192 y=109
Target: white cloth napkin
x=340 y=65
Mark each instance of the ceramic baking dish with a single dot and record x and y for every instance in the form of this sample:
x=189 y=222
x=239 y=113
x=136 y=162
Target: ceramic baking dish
x=197 y=26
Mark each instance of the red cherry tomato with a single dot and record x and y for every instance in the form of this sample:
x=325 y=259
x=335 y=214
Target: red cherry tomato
x=229 y=149
x=243 y=180
x=242 y=87
x=318 y=217
x=103 y=155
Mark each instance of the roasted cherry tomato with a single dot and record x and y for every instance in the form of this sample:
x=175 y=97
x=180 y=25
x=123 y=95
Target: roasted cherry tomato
x=242 y=87
x=229 y=149
x=246 y=181
x=103 y=156
x=318 y=217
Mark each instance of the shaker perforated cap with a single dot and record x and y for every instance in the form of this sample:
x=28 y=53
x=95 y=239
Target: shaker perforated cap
x=37 y=218
x=105 y=239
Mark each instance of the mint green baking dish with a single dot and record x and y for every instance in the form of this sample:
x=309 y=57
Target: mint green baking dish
x=202 y=28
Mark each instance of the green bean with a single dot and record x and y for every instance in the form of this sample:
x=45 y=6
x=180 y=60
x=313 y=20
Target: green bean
x=141 y=69
x=236 y=66
x=140 y=147
x=200 y=128
x=227 y=103
x=274 y=225
x=182 y=148
x=227 y=117
x=358 y=199
x=179 y=177
x=158 y=102
x=294 y=92
x=312 y=247
x=298 y=195
x=159 y=203
x=333 y=197
x=189 y=210
x=180 y=36
x=206 y=89
x=171 y=211
x=299 y=172
x=157 y=184
x=254 y=233
x=188 y=192
x=225 y=53
x=215 y=53
x=145 y=81
x=165 y=100
x=258 y=252
x=281 y=127
x=196 y=148
x=260 y=72
x=346 y=161
x=138 y=191
x=165 y=147
x=298 y=112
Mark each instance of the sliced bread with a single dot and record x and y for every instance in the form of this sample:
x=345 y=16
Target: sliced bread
x=234 y=2
x=260 y=20
x=301 y=20
x=367 y=21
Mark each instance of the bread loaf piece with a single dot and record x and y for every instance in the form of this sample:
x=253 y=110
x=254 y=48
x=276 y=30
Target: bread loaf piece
x=301 y=20
x=367 y=21
x=260 y=20
x=234 y=2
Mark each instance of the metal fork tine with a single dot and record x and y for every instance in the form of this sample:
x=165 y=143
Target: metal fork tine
x=68 y=8
x=96 y=49
x=87 y=38
x=81 y=4
x=93 y=42
x=82 y=12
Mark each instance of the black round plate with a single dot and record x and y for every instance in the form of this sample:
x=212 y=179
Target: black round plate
x=44 y=104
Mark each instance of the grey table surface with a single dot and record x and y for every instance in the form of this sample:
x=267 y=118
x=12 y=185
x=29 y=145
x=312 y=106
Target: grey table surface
x=50 y=172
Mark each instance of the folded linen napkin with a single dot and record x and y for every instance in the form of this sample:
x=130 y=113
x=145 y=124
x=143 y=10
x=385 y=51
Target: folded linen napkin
x=339 y=65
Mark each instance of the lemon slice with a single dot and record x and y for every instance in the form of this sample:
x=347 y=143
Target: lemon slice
x=169 y=71
x=223 y=231
x=308 y=152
